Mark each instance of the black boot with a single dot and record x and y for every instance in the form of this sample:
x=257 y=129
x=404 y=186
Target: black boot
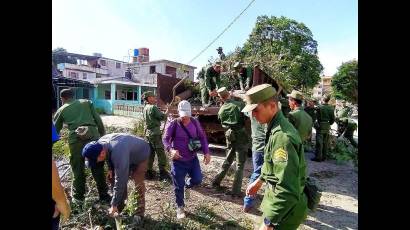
x=150 y=175
x=164 y=175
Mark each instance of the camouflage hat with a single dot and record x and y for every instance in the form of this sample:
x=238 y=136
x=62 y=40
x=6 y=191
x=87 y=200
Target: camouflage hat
x=222 y=91
x=256 y=95
x=237 y=64
x=218 y=63
x=147 y=94
x=296 y=95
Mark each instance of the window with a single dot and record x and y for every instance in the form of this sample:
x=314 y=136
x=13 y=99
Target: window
x=152 y=69
x=97 y=76
x=103 y=62
x=171 y=70
x=107 y=95
x=129 y=95
x=118 y=65
x=74 y=75
x=84 y=75
x=86 y=93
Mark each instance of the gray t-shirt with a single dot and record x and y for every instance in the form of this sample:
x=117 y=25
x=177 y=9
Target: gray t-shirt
x=125 y=151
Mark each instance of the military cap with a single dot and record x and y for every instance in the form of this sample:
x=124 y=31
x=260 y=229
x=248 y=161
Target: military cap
x=222 y=91
x=258 y=94
x=147 y=94
x=237 y=64
x=218 y=63
x=296 y=95
x=219 y=48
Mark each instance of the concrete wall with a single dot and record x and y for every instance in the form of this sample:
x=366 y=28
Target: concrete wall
x=112 y=69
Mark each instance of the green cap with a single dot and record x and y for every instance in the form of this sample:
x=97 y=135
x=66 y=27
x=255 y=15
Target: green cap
x=217 y=63
x=147 y=94
x=222 y=91
x=258 y=94
x=296 y=95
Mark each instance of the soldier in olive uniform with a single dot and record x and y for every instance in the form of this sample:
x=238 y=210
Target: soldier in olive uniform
x=345 y=111
x=236 y=140
x=84 y=125
x=346 y=128
x=298 y=117
x=284 y=106
x=209 y=82
x=244 y=75
x=310 y=109
x=325 y=118
x=153 y=117
x=284 y=204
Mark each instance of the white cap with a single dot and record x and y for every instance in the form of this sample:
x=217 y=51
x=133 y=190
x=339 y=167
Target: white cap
x=184 y=109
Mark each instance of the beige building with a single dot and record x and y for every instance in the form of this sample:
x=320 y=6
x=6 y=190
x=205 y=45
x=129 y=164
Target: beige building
x=324 y=87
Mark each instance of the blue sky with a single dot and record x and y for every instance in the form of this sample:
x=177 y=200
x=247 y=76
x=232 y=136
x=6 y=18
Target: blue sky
x=179 y=29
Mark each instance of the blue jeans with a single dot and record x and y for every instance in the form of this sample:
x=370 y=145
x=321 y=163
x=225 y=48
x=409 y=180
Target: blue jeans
x=55 y=223
x=257 y=160
x=179 y=170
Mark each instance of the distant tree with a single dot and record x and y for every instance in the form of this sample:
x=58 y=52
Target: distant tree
x=344 y=82
x=285 y=50
x=59 y=55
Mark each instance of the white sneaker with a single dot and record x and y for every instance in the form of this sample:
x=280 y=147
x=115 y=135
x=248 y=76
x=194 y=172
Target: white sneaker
x=180 y=213
x=187 y=193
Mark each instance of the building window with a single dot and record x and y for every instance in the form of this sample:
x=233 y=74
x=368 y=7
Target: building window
x=103 y=62
x=129 y=95
x=118 y=65
x=152 y=69
x=107 y=95
x=97 y=76
x=86 y=93
x=74 y=75
x=84 y=75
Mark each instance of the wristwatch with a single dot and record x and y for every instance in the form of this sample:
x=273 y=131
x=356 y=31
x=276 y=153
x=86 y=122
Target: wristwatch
x=268 y=223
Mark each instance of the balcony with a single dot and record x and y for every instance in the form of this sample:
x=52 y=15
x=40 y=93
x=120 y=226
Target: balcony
x=85 y=68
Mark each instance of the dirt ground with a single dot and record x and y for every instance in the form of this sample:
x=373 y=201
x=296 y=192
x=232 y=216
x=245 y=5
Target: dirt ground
x=208 y=208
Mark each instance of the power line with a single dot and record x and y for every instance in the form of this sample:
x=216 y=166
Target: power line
x=236 y=18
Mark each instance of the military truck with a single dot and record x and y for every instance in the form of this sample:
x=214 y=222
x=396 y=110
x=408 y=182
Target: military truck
x=171 y=90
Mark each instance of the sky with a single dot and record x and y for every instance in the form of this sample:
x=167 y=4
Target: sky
x=178 y=30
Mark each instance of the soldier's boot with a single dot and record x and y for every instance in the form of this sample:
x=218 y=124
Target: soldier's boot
x=150 y=175
x=164 y=175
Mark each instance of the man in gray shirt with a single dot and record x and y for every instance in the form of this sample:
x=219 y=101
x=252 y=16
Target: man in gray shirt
x=127 y=156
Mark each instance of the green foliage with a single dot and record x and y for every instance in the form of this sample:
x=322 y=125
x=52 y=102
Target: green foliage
x=138 y=128
x=345 y=82
x=132 y=203
x=60 y=148
x=284 y=49
x=342 y=151
x=59 y=55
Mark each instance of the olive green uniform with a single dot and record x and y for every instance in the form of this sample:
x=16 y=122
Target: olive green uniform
x=284 y=171
x=208 y=81
x=347 y=128
x=245 y=78
x=77 y=113
x=284 y=106
x=325 y=118
x=236 y=142
x=312 y=113
x=153 y=117
x=302 y=122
